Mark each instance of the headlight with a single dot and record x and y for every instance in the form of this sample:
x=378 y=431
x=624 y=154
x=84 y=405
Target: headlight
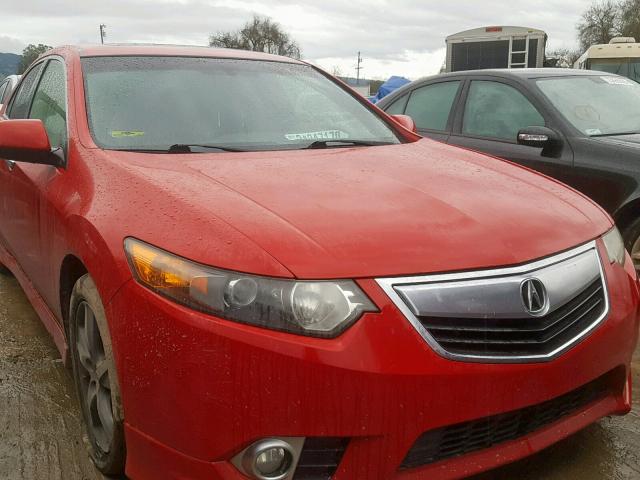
x=614 y=244
x=315 y=308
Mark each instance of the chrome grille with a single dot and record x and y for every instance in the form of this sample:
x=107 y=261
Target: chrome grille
x=483 y=315
x=488 y=336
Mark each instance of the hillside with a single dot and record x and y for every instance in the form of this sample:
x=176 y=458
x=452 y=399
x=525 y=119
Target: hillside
x=9 y=63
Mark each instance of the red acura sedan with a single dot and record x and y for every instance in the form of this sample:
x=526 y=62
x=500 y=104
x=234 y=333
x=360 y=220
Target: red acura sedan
x=253 y=273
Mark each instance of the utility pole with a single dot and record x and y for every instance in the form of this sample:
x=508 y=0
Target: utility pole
x=103 y=32
x=358 y=68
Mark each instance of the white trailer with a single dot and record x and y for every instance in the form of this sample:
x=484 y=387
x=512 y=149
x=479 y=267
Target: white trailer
x=495 y=47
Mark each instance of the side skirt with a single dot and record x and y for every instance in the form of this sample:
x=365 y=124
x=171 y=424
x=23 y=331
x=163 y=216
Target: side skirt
x=44 y=312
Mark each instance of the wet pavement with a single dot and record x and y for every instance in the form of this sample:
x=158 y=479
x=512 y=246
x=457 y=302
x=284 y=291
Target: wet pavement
x=41 y=433
x=40 y=429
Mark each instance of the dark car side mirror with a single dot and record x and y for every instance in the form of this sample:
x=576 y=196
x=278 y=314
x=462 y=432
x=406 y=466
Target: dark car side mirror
x=27 y=141
x=538 y=137
x=406 y=121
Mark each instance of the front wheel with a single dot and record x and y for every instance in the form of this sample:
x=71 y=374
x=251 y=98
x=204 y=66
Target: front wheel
x=631 y=235
x=95 y=378
x=4 y=270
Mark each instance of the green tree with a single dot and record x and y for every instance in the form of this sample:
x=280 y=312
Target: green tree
x=29 y=55
x=599 y=24
x=260 y=34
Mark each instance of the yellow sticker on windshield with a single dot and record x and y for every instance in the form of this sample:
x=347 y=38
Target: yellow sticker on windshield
x=126 y=133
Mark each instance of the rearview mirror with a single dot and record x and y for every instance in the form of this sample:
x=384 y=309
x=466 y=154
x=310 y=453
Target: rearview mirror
x=538 y=137
x=27 y=141
x=406 y=121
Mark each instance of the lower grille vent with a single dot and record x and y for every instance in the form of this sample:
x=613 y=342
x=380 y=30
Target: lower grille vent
x=463 y=438
x=320 y=458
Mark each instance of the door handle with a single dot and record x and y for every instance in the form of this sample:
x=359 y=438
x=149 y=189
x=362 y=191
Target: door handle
x=10 y=164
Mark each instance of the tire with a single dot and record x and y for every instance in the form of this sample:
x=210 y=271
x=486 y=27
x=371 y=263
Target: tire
x=96 y=380
x=631 y=236
x=4 y=270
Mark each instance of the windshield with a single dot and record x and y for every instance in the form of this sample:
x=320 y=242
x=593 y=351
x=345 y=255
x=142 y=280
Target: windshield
x=152 y=103
x=627 y=67
x=596 y=105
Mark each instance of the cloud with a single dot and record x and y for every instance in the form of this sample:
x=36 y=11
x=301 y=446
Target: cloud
x=410 y=64
x=10 y=45
x=403 y=37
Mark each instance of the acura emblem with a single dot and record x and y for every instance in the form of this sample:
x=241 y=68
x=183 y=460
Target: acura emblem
x=534 y=296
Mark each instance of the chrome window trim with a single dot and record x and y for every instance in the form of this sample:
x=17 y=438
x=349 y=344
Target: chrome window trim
x=387 y=284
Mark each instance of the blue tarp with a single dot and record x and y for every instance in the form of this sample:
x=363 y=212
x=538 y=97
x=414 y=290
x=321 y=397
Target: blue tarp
x=389 y=86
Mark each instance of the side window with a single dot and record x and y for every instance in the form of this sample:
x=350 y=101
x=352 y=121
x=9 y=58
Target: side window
x=499 y=111
x=49 y=103
x=21 y=102
x=397 y=107
x=430 y=106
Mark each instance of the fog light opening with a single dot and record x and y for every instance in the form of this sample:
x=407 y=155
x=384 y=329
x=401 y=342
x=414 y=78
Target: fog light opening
x=269 y=460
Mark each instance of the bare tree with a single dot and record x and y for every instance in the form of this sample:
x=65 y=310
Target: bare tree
x=561 y=58
x=630 y=18
x=599 y=24
x=260 y=34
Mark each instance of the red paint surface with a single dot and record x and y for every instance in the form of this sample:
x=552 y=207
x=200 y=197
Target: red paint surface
x=197 y=389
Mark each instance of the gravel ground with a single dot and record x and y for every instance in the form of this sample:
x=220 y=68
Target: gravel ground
x=41 y=433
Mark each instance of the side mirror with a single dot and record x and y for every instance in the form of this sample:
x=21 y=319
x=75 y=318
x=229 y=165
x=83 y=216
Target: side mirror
x=406 y=121
x=27 y=141
x=538 y=137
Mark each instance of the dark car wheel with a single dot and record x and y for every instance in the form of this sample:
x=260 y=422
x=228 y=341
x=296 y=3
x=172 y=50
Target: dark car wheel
x=631 y=235
x=4 y=270
x=95 y=377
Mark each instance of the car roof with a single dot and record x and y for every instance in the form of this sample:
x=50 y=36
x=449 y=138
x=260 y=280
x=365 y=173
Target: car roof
x=522 y=73
x=168 y=51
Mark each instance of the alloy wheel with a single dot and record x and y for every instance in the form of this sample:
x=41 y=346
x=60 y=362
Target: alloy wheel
x=93 y=375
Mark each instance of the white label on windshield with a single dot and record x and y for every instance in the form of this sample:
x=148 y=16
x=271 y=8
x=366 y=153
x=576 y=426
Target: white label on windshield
x=617 y=81
x=321 y=135
x=593 y=131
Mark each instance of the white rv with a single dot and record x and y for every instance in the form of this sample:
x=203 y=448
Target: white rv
x=620 y=56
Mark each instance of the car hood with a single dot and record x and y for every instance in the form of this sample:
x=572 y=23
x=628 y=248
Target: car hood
x=363 y=211
x=630 y=141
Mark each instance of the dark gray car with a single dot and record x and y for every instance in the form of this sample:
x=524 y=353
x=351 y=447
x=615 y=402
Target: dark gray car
x=581 y=127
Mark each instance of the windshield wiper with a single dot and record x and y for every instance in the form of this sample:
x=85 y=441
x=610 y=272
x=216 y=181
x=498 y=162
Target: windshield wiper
x=179 y=148
x=188 y=148
x=614 y=134
x=345 y=143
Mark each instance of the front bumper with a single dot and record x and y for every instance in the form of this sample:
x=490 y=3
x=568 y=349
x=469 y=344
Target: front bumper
x=197 y=390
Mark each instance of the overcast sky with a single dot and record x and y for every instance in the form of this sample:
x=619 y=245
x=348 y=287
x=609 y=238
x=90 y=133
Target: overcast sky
x=401 y=37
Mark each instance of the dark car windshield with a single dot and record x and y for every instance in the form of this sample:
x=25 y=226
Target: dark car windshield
x=157 y=102
x=596 y=105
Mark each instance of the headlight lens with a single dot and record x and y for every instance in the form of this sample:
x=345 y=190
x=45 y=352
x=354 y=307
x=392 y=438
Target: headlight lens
x=315 y=308
x=614 y=244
